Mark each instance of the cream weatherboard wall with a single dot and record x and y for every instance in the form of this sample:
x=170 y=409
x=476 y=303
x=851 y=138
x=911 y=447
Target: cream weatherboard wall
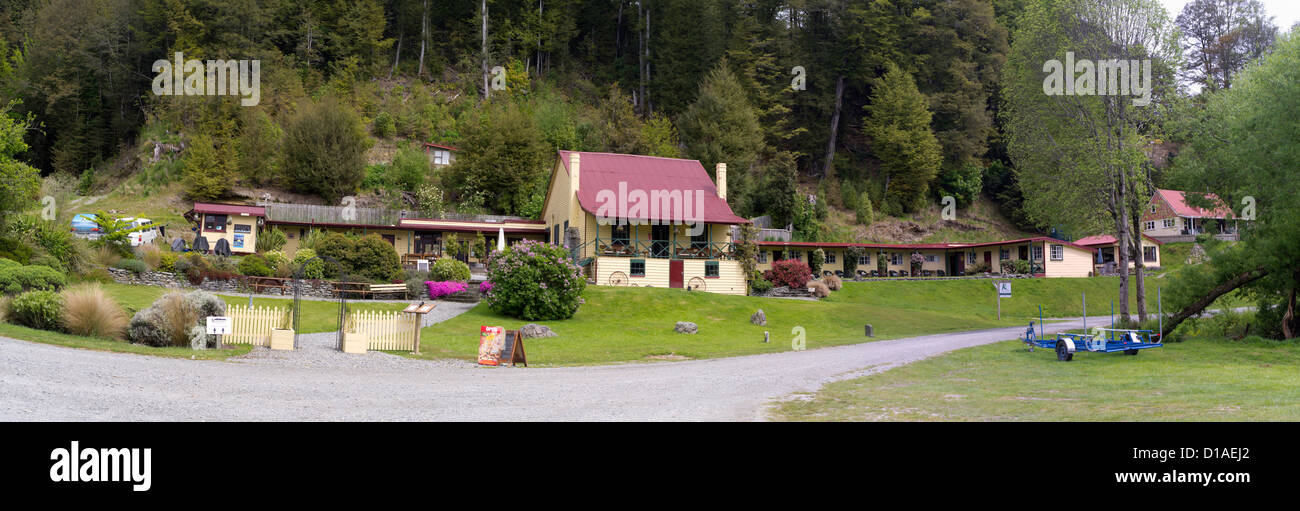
x=730 y=279
x=1075 y=262
x=247 y=238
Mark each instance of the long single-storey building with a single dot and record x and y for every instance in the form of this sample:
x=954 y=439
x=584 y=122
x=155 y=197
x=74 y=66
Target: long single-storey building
x=1048 y=257
x=1107 y=255
x=412 y=238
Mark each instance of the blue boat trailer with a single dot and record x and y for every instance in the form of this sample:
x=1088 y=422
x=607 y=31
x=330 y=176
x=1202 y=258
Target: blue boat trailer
x=1101 y=340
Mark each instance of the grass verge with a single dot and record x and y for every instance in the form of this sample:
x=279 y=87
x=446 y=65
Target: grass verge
x=94 y=343
x=1202 y=379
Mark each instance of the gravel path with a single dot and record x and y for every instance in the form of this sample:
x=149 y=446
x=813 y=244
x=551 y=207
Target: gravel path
x=50 y=383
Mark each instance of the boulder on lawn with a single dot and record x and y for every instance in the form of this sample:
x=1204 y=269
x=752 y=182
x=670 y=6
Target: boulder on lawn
x=686 y=327
x=534 y=330
x=759 y=318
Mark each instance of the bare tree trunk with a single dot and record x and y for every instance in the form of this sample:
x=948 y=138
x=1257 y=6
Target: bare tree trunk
x=396 y=57
x=835 y=126
x=1139 y=263
x=424 y=36
x=1195 y=308
x=618 y=32
x=1288 y=318
x=486 y=89
x=649 y=107
x=539 y=37
x=640 y=65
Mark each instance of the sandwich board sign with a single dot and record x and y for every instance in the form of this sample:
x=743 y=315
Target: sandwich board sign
x=218 y=325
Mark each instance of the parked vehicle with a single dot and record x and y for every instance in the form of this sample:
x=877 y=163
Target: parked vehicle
x=148 y=234
x=84 y=226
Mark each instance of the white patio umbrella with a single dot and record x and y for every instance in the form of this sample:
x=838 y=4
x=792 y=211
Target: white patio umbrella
x=501 y=238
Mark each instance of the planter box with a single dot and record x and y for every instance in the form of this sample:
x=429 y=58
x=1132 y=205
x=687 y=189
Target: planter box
x=282 y=339
x=354 y=343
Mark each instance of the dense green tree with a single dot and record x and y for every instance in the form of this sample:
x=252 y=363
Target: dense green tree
x=210 y=167
x=722 y=127
x=324 y=150
x=899 y=126
x=504 y=159
x=19 y=182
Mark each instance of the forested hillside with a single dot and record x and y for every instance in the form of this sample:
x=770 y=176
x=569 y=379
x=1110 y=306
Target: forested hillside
x=789 y=94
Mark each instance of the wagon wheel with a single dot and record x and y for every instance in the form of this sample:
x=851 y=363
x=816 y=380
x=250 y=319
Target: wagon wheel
x=618 y=278
x=1062 y=353
x=696 y=284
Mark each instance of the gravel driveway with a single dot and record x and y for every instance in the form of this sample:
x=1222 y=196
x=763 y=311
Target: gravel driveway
x=41 y=382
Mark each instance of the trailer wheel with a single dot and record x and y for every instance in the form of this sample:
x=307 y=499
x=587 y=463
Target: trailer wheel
x=1131 y=352
x=1062 y=353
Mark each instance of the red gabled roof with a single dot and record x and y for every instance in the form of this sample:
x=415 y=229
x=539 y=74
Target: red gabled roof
x=440 y=146
x=1106 y=239
x=1178 y=201
x=607 y=171
x=228 y=209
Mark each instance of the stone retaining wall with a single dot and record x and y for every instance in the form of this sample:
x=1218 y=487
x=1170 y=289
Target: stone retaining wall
x=318 y=288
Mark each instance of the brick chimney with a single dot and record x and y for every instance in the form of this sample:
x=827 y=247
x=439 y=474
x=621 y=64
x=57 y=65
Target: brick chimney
x=721 y=174
x=574 y=163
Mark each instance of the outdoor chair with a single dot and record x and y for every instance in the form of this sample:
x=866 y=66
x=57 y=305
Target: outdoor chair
x=826 y=273
x=942 y=274
x=875 y=273
x=926 y=273
x=865 y=273
x=902 y=273
x=893 y=273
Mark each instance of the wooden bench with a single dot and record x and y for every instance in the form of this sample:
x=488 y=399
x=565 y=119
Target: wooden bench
x=262 y=283
x=378 y=289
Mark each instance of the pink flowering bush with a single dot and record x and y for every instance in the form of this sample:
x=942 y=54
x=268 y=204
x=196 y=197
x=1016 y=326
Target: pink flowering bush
x=439 y=289
x=534 y=281
x=484 y=287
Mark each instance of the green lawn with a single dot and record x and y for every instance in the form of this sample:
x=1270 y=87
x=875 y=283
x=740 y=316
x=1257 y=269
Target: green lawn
x=317 y=315
x=636 y=324
x=93 y=343
x=1212 y=380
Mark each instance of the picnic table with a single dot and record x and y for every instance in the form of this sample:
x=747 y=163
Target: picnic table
x=260 y=284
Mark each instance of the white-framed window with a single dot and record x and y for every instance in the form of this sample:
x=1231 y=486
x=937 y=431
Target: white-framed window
x=1038 y=252
x=1149 y=225
x=864 y=260
x=970 y=258
x=1148 y=254
x=441 y=157
x=1153 y=208
x=830 y=257
x=1058 y=252
x=762 y=256
x=794 y=254
x=1004 y=254
x=1169 y=222
x=931 y=258
x=895 y=258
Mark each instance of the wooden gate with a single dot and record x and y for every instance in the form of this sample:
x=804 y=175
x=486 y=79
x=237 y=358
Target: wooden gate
x=389 y=331
x=253 y=325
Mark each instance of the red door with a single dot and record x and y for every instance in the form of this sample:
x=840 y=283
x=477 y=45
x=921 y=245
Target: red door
x=988 y=258
x=675 y=273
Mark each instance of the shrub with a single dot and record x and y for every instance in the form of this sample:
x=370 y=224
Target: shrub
x=8 y=263
x=446 y=268
x=41 y=310
x=851 y=256
x=324 y=149
x=311 y=268
x=150 y=254
x=980 y=267
x=134 y=265
x=791 y=273
x=14 y=280
x=271 y=240
x=534 y=281
x=337 y=246
x=863 y=212
x=439 y=289
x=167 y=261
x=833 y=283
x=97 y=275
x=819 y=289
x=373 y=258
x=760 y=286
x=485 y=287
x=917 y=261
x=176 y=319
x=106 y=256
x=254 y=266
x=15 y=250
x=815 y=260
x=89 y=311
x=4 y=308
x=1018 y=266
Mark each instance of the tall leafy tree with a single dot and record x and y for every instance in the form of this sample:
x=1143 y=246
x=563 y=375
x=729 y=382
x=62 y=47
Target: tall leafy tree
x=1080 y=157
x=722 y=127
x=898 y=123
x=19 y=182
x=324 y=150
x=1221 y=36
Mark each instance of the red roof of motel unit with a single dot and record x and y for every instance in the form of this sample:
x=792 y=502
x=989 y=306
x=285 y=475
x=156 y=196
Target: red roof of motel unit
x=1106 y=239
x=440 y=146
x=606 y=171
x=1178 y=200
x=228 y=209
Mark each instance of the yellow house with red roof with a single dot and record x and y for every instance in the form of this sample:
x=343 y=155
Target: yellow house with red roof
x=644 y=221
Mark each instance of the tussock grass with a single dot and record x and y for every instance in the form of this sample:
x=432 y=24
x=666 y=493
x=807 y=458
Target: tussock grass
x=89 y=311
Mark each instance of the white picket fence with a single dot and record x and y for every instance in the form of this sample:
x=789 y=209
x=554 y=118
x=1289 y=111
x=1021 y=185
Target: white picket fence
x=253 y=325
x=394 y=331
